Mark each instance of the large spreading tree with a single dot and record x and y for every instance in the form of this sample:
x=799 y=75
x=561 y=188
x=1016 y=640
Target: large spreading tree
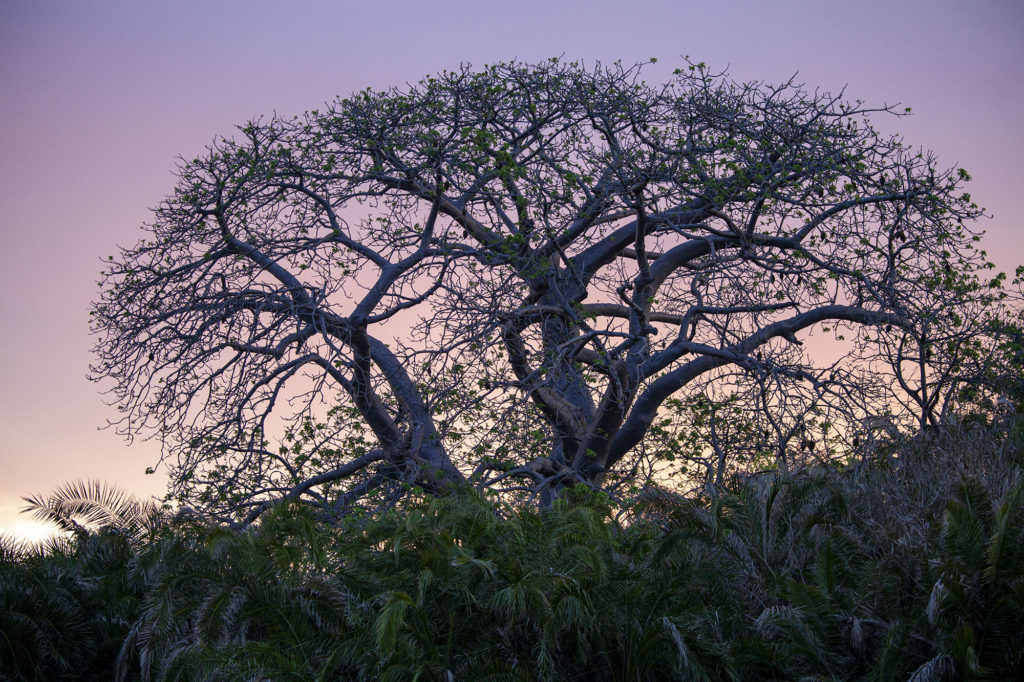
x=519 y=279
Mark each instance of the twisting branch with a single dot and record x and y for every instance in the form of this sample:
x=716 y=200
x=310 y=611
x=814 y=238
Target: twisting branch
x=525 y=277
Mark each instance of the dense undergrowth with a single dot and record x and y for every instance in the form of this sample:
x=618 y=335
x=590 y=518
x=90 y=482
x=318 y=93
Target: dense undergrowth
x=908 y=566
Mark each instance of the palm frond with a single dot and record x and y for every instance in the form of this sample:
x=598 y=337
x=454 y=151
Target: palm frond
x=78 y=505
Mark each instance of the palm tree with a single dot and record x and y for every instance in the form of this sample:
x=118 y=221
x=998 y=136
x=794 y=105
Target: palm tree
x=66 y=604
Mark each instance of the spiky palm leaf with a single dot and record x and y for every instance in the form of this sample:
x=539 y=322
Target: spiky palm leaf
x=78 y=505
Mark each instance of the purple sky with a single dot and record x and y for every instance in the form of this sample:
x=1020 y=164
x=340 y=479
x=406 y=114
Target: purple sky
x=98 y=98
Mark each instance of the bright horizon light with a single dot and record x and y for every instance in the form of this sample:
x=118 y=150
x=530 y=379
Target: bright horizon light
x=29 y=530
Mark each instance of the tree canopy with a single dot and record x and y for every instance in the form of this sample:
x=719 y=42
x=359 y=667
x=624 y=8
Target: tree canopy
x=528 y=277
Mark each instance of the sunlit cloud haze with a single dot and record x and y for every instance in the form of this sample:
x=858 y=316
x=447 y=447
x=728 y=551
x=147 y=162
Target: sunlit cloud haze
x=97 y=99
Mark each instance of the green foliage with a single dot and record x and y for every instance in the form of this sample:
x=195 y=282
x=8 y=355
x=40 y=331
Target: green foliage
x=908 y=567
x=65 y=606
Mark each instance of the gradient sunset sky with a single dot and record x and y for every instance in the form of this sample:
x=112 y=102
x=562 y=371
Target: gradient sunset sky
x=98 y=98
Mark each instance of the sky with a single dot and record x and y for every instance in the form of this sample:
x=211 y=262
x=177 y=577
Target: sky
x=98 y=99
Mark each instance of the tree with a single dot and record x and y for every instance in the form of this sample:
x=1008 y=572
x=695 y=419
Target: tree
x=498 y=278
x=956 y=356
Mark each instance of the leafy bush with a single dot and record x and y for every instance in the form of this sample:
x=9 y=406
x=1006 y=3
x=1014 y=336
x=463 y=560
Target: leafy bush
x=908 y=566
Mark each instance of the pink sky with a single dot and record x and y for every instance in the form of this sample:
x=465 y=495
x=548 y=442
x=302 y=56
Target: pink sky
x=97 y=99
